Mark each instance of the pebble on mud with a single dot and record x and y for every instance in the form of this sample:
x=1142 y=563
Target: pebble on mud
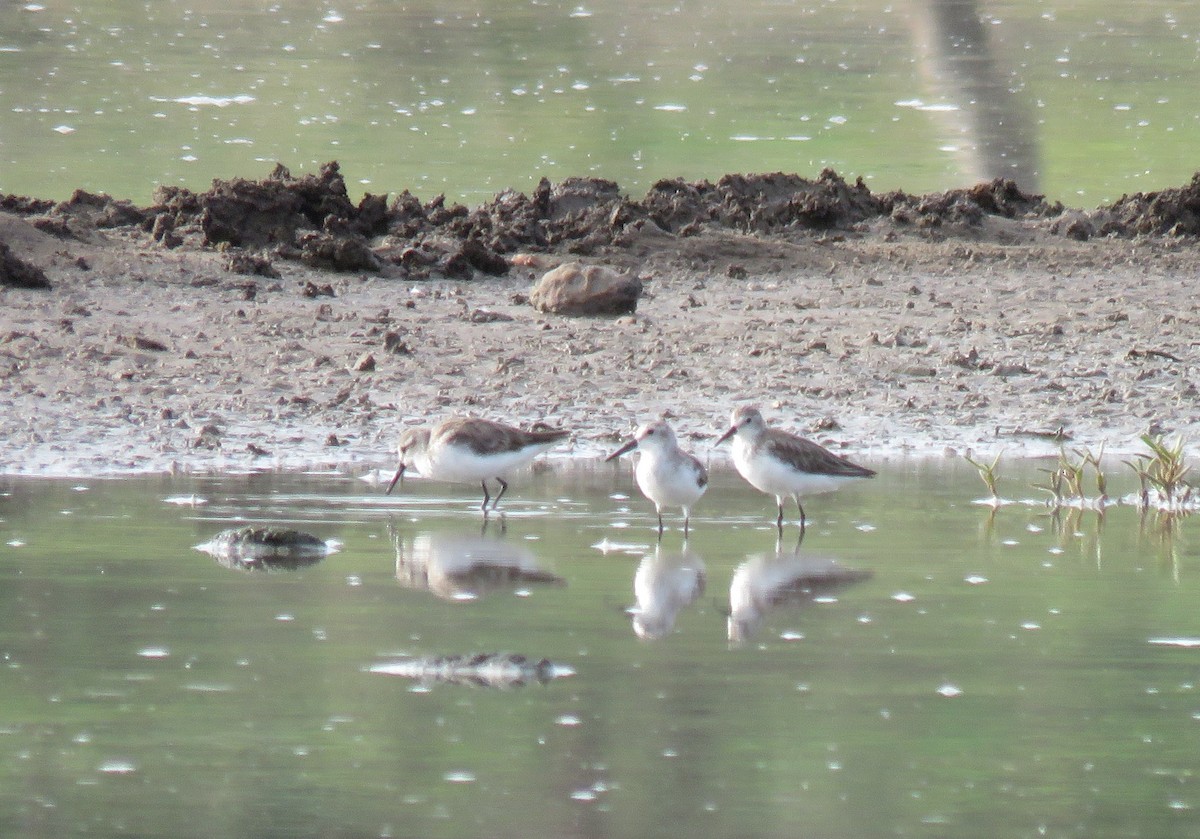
x=576 y=289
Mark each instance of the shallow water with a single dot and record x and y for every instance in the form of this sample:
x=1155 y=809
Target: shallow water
x=1083 y=100
x=1007 y=674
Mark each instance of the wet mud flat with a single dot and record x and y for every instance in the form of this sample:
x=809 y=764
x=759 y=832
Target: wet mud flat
x=276 y=323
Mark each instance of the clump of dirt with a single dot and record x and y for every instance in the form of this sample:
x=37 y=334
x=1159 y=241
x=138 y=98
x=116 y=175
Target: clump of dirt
x=17 y=273
x=23 y=205
x=311 y=219
x=1171 y=212
x=1000 y=197
x=256 y=214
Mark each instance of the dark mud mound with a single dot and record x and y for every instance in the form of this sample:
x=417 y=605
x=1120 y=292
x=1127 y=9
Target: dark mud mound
x=768 y=203
x=265 y=213
x=969 y=207
x=17 y=273
x=79 y=217
x=311 y=219
x=1170 y=212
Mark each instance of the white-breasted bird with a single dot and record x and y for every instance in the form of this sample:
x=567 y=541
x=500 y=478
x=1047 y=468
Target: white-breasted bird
x=469 y=449
x=783 y=464
x=665 y=473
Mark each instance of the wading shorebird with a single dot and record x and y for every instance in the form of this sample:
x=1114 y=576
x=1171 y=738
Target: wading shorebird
x=467 y=449
x=785 y=465
x=665 y=473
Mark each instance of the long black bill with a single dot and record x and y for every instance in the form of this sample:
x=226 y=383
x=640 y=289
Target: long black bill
x=398 y=476
x=628 y=447
x=732 y=430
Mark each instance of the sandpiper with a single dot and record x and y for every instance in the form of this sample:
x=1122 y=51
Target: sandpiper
x=467 y=449
x=785 y=465
x=665 y=473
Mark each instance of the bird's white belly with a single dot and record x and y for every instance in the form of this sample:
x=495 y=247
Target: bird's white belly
x=459 y=463
x=666 y=485
x=771 y=475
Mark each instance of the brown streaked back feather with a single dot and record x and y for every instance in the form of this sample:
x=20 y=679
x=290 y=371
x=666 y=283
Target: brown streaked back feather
x=813 y=458
x=488 y=437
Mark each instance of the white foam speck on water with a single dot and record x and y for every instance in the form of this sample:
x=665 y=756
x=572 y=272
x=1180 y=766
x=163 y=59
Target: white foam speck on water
x=185 y=500
x=1031 y=625
x=949 y=691
x=1010 y=542
x=866 y=528
x=1185 y=642
x=64 y=129
x=826 y=599
x=460 y=776
x=568 y=721
x=208 y=687
x=200 y=99
x=583 y=795
x=607 y=546
x=903 y=597
x=117 y=767
x=922 y=105
x=16 y=543
x=791 y=635
x=154 y=652
x=284 y=617
x=671 y=107
x=975 y=579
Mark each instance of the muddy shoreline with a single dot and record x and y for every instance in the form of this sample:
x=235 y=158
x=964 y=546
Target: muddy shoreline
x=273 y=324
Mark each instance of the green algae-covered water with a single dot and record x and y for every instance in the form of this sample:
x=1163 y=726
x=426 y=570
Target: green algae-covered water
x=1082 y=100
x=1014 y=674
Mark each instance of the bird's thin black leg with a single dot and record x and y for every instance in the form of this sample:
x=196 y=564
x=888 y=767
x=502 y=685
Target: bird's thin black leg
x=503 y=488
x=486 y=497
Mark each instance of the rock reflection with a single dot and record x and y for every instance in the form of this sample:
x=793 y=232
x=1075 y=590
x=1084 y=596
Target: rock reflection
x=487 y=670
x=769 y=581
x=666 y=583
x=460 y=566
x=266 y=549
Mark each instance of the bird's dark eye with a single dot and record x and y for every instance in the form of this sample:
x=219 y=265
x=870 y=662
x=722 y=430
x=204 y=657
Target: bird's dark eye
x=650 y=433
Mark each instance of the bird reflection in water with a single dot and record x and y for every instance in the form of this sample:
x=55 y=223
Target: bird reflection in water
x=785 y=578
x=460 y=566
x=666 y=583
